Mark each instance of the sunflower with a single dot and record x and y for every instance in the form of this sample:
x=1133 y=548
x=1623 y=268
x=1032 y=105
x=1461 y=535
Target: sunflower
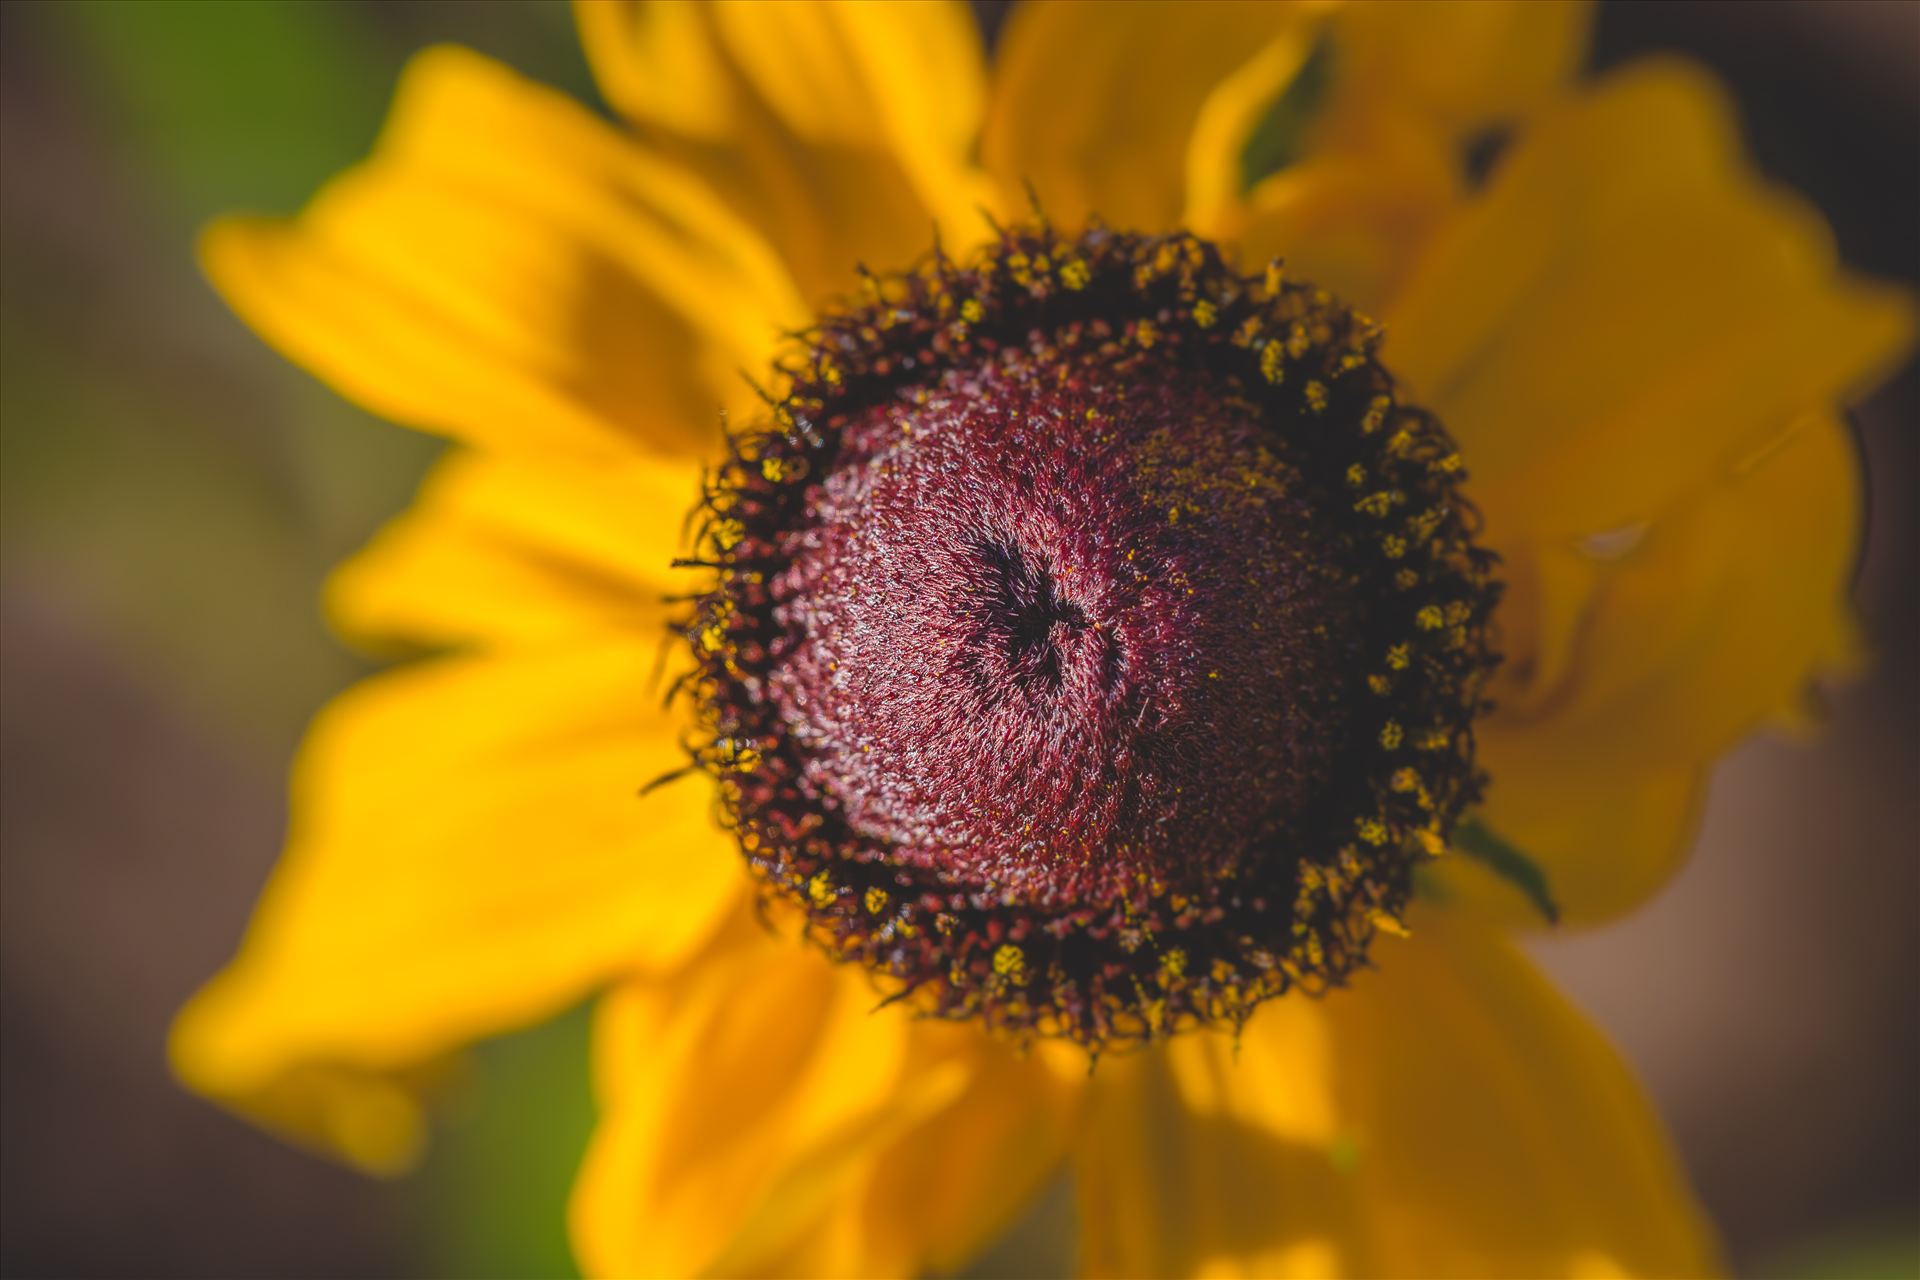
x=1230 y=513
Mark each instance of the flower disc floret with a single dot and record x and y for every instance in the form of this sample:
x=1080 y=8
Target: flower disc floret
x=1093 y=639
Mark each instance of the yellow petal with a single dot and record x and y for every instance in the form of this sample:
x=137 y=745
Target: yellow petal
x=1633 y=340
x=514 y=547
x=509 y=271
x=843 y=131
x=468 y=852
x=740 y=1103
x=1448 y=1115
x=1096 y=105
x=1627 y=311
x=1294 y=67
x=951 y=1184
x=1606 y=839
x=1635 y=661
x=1464 y=66
x=1713 y=621
x=1354 y=218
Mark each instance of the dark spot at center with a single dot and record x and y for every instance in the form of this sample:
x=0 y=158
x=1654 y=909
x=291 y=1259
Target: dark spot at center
x=1023 y=613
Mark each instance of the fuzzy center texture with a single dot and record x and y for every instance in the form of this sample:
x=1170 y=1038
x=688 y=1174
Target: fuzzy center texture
x=1061 y=629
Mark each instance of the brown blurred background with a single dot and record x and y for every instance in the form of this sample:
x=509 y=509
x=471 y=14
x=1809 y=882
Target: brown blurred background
x=170 y=495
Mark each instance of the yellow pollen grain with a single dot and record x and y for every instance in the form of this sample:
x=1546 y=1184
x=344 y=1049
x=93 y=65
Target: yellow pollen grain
x=1379 y=684
x=1074 y=274
x=1010 y=962
x=820 y=890
x=1386 y=922
x=1372 y=830
x=1399 y=656
x=1430 y=618
x=1146 y=334
x=1376 y=417
x=1356 y=475
x=1205 y=313
x=876 y=900
x=773 y=469
x=1391 y=735
x=1173 y=964
x=1273 y=362
x=1393 y=546
x=1317 y=396
x=1406 y=780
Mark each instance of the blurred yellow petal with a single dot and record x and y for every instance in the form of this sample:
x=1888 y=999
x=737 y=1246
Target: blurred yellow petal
x=468 y=852
x=1464 y=66
x=509 y=271
x=1448 y=1115
x=843 y=130
x=1627 y=310
x=739 y=1104
x=1354 y=219
x=1280 y=90
x=1633 y=335
x=951 y=1184
x=1096 y=105
x=1606 y=839
x=1715 y=618
x=1636 y=660
x=512 y=548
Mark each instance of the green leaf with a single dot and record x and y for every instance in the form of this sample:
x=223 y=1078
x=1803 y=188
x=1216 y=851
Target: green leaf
x=231 y=106
x=1280 y=137
x=1479 y=842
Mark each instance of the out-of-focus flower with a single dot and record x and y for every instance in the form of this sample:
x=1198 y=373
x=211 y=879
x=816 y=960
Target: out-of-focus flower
x=1638 y=348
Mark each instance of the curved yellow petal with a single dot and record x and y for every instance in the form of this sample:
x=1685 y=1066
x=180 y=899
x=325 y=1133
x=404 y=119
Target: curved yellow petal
x=1634 y=341
x=1605 y=838
x=740 y=1104
x=468 y=852
x=1096 y=106
x=1712 y=621
x=844 y=131
x=1463 y=66
x=1353 y=218
x=509 y=271
x=1635 y=661
x=1627 y=310
x=515 y=548
x=1448 y=1115
x=951 y=1184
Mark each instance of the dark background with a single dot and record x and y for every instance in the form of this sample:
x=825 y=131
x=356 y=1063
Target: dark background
x=170 y=495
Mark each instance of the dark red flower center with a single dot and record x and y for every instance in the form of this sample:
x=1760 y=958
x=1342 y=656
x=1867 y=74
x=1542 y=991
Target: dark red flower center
x=1094 y=641
x=1062 y=627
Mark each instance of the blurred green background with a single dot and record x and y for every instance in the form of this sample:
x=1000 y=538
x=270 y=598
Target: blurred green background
x=171 y=495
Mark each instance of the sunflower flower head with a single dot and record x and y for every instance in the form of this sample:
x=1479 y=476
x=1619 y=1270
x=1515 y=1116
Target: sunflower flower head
x=1068 y=611
x=1079 y=633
